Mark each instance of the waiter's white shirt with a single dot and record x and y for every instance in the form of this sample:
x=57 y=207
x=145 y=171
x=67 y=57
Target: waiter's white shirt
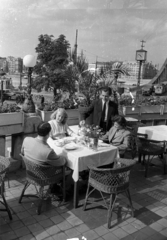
x=106 y=112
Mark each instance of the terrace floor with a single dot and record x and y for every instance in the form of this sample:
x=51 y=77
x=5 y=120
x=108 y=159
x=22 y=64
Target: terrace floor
x=61 y=222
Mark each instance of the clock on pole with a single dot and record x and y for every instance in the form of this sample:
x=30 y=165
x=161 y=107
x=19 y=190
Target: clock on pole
x=141 y=56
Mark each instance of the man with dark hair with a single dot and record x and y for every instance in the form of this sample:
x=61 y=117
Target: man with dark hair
x=37 y=149
x=103 y=110
x=118 y=135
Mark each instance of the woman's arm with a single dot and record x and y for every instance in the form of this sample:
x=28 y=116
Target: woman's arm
x=70 y=132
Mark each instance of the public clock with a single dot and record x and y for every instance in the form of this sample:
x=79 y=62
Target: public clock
x=141 y=55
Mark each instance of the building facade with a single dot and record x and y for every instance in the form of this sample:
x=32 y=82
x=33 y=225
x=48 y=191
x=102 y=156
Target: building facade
x=11 y=65
x=148 y=70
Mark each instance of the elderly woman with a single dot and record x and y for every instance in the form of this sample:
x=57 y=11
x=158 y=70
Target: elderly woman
x=59 y=126
x=118 y=135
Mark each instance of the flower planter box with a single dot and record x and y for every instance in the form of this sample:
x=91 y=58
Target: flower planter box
x=11 y=123
x=150 y=115
x=45 y=115
x=73 y=117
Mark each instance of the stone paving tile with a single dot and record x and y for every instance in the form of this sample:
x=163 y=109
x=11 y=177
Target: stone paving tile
x=129 y=228
x=120 y=233
x=101 y=230
x=46 y=223
x=5 y=228
x=64 y=225
x=57 y=219
x=62 y=222
x=74 y=221
x=60 y=236
x=22 y=231
x=27 y=237
x=82 y=228
x=52 y=230
x=91 y=235
x=15 y=225
x=8 y=236
x=28 y=221
x=41 y=234
x=35 y=227
x=72 y=232
x=110 y=236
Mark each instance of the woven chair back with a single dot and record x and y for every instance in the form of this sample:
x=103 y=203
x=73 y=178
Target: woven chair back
x=4 y=167
x=41 y=174
x=112 y=180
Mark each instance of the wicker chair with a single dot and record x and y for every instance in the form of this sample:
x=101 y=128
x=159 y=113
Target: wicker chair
x=4 y=167
x=111 y=181
x=151 y=149
x=41 y=176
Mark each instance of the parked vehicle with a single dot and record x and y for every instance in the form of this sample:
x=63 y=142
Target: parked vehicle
x=160 y=88
x=8 y=95
x=147 y=91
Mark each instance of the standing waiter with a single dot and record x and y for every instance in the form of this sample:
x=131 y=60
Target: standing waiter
x=103 y=110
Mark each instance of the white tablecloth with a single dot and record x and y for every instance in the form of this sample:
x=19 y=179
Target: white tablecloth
x=155 y=132
x=80 y=158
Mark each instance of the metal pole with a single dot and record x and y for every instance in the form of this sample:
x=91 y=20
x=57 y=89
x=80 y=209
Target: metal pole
x=138 y=82
x=2 y=92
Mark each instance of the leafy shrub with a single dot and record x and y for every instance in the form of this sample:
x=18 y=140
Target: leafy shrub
x=8 y=108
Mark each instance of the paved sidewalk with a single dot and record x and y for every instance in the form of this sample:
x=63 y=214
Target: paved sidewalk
x=61 y=222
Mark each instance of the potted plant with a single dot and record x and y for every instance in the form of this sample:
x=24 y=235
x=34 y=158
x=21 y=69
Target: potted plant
x=46 y=109
x=11 y=119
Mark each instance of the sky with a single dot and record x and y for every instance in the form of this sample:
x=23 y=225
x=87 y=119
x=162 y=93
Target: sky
x=108 y=30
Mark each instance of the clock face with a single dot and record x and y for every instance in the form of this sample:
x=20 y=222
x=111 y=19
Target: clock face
x=140 y=56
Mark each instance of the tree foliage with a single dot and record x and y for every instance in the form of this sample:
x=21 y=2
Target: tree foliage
x=52 y=63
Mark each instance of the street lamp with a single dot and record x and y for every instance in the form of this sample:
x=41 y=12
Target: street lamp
x=29 y=62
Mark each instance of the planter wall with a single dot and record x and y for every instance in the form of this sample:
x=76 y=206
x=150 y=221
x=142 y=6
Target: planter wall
x=150 y=115
x=11 y=123
x=73 y=116
x=45 y=115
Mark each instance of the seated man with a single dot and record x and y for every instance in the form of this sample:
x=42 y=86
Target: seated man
x=118 y=135
x=38 y=151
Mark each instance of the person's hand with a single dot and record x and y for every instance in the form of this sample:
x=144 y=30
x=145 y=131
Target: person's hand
x=82 y=123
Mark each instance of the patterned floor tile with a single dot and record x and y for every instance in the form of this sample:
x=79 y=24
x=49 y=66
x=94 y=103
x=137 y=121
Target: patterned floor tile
x=62 y=222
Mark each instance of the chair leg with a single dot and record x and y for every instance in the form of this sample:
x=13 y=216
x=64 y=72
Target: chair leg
x=22 y=194
x=164 y=162
x=111 y=206
x=64 y=185
x=139 y=157
x=147 y=165
x=144 y=160
x=86 y=198
x=40 y=206
x=41 y=196
x=4 y=200
x=130 y=200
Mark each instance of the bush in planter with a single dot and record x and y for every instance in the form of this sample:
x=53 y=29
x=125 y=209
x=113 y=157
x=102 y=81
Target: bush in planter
x=53 y=106
x=8 y=108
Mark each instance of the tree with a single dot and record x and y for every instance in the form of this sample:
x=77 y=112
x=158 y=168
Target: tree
x=52 y=63
x=109 y=76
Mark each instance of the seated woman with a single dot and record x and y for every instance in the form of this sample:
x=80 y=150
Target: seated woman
x=59 y=126
x=118 y=135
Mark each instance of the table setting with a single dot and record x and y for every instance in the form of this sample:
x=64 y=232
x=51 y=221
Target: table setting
x=84 y=150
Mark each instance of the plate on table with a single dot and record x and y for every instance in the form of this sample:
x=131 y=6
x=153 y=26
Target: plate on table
x=70 y=146
x=69 y=139
x=59 y=143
